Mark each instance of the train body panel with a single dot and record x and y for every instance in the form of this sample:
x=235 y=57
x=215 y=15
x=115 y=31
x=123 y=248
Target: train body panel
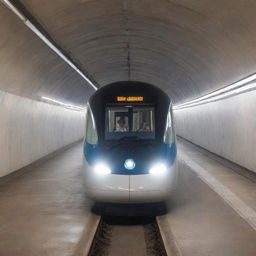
x=153 y=188
x=105 y=188
x=116 y=188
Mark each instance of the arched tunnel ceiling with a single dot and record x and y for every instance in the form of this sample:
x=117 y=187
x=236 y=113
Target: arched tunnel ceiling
x=30 y=69
x=186 y=47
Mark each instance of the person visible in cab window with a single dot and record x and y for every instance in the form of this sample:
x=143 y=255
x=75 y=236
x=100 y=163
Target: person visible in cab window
x=120 y=126
x=145 y=127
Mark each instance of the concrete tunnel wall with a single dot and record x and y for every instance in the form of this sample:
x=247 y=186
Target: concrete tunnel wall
x=226 y=127
x=29 y=128
x=32 y=129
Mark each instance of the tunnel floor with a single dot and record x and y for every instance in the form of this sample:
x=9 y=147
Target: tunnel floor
x=45 y=212
x=201 y=220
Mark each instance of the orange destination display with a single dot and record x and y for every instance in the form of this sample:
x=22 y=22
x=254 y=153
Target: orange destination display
x=130 y=98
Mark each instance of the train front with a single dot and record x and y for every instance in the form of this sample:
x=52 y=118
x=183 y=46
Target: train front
x=130 y=148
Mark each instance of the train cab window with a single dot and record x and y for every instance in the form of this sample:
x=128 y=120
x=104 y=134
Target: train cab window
x=129 y=121
x=91 y=135
x=143 y=120
x=117 y=120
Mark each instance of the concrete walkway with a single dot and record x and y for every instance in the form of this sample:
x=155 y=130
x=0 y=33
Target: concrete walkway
x=45 y=211
x=213 y=211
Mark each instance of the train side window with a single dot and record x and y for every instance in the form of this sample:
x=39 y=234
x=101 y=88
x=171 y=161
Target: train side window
x=91 y=135
x=168 y=135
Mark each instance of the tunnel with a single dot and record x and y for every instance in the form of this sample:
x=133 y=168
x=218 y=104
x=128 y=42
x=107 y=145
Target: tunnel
x=56 y=54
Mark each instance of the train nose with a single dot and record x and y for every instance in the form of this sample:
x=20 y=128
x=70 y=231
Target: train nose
x=128 y=188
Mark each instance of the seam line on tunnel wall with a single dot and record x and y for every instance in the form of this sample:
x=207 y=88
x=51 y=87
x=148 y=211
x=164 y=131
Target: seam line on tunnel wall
x=48 y=41
x=245 y=211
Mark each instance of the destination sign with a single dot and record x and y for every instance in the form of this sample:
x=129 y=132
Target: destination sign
x=130 y=98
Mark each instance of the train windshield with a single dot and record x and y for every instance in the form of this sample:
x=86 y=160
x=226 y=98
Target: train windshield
x=130 y=122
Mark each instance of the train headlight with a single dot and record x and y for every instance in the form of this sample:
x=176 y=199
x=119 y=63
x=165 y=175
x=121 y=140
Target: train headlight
x=102 y=169
x=129 y=164
x=158 y=169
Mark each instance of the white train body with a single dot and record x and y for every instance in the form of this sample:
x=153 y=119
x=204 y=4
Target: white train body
x=130 y=153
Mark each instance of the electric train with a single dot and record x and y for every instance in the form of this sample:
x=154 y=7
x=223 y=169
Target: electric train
x=130 y=153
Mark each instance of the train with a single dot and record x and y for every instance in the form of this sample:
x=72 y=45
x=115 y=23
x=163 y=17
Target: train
x=130 y=152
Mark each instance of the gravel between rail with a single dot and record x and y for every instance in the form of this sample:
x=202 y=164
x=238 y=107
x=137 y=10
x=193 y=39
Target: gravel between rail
x=129 y=236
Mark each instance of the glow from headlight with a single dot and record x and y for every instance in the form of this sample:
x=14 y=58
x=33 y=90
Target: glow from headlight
x=102 y=169
x=129 y=164
x=158 y=169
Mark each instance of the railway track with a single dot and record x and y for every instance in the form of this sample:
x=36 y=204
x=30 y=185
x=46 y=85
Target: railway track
x=128 y=236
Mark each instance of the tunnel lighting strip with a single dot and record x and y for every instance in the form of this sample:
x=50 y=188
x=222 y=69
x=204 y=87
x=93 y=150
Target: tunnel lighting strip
x=233 y=89
x=47 y=41
x=66 y=105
